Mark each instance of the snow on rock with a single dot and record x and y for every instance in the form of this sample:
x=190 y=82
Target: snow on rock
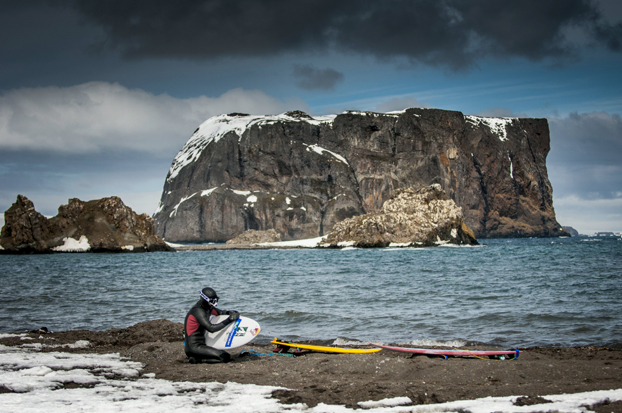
x=287 y=155
x=159 y=208
x=174 y=211
x=73 y=245
x=208 y=192
x=496 y=125
x=394 y=113
x=320 y=150
x=215 y=128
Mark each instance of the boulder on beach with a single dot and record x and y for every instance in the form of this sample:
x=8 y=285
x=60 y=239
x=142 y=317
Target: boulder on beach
x=104 y=225
x=255 y=237
x=413 y=217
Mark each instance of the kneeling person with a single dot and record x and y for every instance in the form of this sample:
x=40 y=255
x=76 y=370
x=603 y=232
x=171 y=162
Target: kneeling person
x=198 y=322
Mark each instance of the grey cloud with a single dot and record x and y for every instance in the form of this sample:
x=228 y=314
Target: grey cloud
x=500 y=113
x=586 y=150
x=453 y=33
x=399 y=104
x=610 y=35
x=97 y=116
x=311 y=78
x=101 y=139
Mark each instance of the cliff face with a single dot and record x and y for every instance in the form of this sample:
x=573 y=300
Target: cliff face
x=301 y=175
x=103 y=225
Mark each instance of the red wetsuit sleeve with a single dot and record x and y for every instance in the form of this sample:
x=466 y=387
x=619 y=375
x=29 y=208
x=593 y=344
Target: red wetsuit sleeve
x=192 y=325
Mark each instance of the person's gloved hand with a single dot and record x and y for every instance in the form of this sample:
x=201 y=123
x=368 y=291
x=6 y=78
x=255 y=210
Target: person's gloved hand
x=233 y=315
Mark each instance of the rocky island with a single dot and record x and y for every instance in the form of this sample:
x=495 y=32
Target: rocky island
x=301 y=175
x=420 y=218
x=104 y=225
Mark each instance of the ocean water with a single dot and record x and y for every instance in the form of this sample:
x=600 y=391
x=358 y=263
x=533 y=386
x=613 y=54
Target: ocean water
x=508 y=292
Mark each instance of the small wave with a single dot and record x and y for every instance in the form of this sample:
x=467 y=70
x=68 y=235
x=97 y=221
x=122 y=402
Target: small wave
x=433 y=343
x=342 y=341
x=403 y=249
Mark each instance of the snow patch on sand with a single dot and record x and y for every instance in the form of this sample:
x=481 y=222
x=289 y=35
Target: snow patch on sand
x=112 y=384
x=392 y=402
x=302 y=243
x=40 y=346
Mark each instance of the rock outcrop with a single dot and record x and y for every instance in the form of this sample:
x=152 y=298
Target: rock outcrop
x=104 y=225
x=421 y=218
x=573 y=232
x=300 y=175
x=251 y=237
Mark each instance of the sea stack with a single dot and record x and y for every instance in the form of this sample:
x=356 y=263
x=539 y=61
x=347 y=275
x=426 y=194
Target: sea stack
x=300 y=175
x=103 y=225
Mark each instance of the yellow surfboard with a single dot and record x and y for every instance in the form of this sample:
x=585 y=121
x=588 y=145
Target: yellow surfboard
x=324 y=348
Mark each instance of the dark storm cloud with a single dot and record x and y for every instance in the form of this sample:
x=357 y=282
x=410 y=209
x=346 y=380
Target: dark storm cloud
x=311 y=78
x=451 y=32
x=611 y=35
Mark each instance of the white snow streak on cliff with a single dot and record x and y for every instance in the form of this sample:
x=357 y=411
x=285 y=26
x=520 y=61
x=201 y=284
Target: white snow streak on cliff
x=320 y=150
x=496 y=125
x=174 y=211
x=159 y=208
x=218 y=126
x=511 y=167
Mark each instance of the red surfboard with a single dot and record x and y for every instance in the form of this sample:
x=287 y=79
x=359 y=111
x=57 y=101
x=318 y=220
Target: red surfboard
x=455 y=353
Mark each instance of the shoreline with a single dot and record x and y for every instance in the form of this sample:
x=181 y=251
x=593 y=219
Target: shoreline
x=310 y=243
x=346 y=379
x=223 y=247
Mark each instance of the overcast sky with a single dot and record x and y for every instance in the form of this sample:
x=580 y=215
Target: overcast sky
x=97 y=97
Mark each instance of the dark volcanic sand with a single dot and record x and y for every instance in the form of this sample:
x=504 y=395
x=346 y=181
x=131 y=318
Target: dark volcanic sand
x=350 y=378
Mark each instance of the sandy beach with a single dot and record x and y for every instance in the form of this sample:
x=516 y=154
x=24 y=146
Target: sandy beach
x=346 y=379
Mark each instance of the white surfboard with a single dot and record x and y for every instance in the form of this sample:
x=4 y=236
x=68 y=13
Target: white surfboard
x=236 y=334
